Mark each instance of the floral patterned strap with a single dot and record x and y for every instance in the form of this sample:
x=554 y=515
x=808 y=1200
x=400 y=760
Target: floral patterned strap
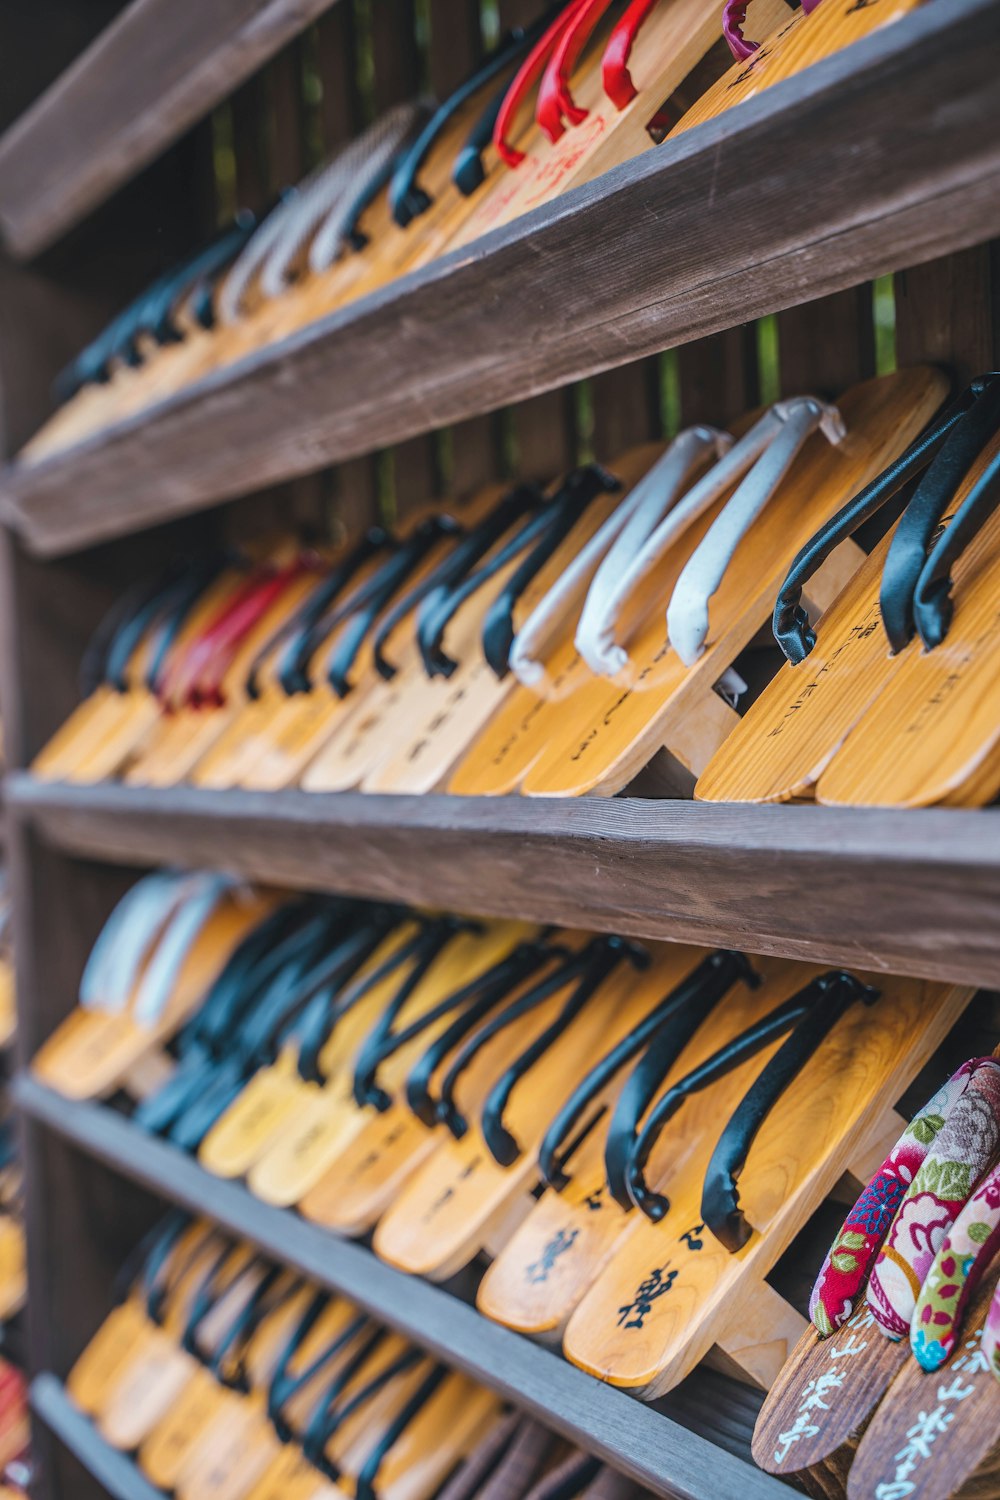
x=852 y=1255
x=991 y=1336
x=965 y=1254
x=963 y=1151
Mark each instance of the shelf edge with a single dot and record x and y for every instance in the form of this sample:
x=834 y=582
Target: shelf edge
x=789 y=881
x=647 y=1446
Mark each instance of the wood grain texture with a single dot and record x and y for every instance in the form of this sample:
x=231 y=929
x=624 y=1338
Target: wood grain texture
x=909 y=173
x=912 y=893
x=153 y=72
x=644 y=1444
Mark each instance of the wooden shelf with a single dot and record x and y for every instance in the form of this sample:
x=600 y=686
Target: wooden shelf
x=114 y=1471
x=883 y=156
x=904 y=892
x=651 y=1447
x=157 y=69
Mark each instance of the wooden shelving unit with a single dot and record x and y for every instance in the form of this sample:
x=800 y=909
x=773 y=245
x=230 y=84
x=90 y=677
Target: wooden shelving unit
x=785 y=879
x=725 y=224
x=654 y=1449
x=155 y=71
x=884 y=159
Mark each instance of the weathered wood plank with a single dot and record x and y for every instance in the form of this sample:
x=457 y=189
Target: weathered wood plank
x=907 y=892
x=910 y=170
x=153 y=72
x=647 y=1445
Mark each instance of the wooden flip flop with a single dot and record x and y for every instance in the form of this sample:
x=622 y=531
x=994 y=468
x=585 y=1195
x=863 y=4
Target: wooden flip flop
x=660 y=1304
x=166 y=1452
x=541 y=1274
x=355 y=1189
x=156 y=1375
x=463 y=1199
x=92 y=1053
x=316 y=1146
x=793 y=735
x=196 y=727
x=931 y=733
x=436 y=722
x=305 y=721
x=291 y=1117
x=455 y=709
x=616 y=729
x=936 y=1433
x=270 y=1101
x=101 y=735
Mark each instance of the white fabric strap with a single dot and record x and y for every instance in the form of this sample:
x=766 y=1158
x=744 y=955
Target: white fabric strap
x=185 y=925
x=607 y=656
x=229 y=304
x=382 y=142
x=327 y=192
x=310 y=207
x=629 y=524
x=687 y=613
x=126 y=937
x=655 y=497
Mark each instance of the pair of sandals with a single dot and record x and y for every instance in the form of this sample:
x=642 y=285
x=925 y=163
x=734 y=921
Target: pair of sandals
x=891 y=699
x=896 y=1387
x=554 y=106
x=517 y=644
x=232 y=1378
x=396 y=1074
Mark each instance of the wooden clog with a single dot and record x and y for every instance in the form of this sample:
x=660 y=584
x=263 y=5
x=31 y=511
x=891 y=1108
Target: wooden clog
x=328 y=1119
x=93 y=1052
x=463 y=1199
x=614 y=731
x=931 y=733
x=793 y=736
x=936 y=1433
x=659 y=1304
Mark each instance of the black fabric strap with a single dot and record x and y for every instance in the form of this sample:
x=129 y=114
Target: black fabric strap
x=475 y=1000
x=908 y=548
x=228 y=1268
x=330 y=1412
x=735 y=1052
x=296 y=629
x=579 y=489
x=147 y=1266
x=392 y=577
x=685 y=1007
x=263 y=1029
x=407 y=199
x=284 y=1386
x=740 y=1049
x=932 y=603
x=468 y=172
x=322 y=612
x=365 y=1485
x=333 y=1002
x=790 y=622
x=720 y=1203
x=381 y=1041
x=602 y=957
x=228 y=1361
x=519 y=505
x=569 y=965
x=365 y=195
